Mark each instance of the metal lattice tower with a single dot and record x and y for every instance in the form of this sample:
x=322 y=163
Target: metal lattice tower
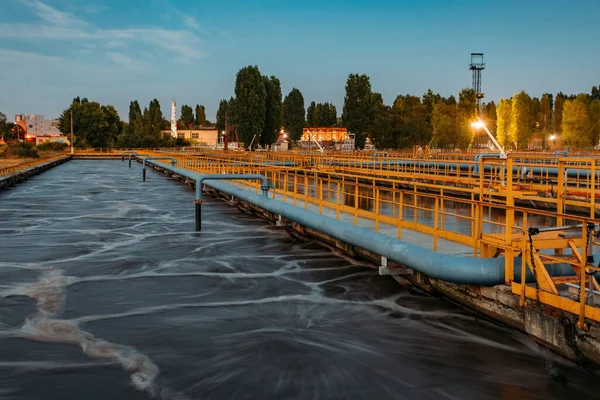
x=477 y=65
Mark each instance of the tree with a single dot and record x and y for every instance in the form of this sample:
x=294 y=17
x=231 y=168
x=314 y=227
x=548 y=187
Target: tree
x=293 y=114
x=521 y=126
x=447 y=130
x=187 y=116
x=429 y=100
x=310 y=115
x=381 y=129
x=200 y=115
x=409 y=122
x=331 y=115
x=221 y=115
x=250 y=100
x=135 y=113
x=594 y=112
x=545 y=115
x=6 y=128
x=489 y=116
x=558 y=112
x=467 y=113
x=358 y=107
x=273 y=110
x=595 y=93
x=503 y=122
x=93 y=124
x=577 y=130
x=535 y=115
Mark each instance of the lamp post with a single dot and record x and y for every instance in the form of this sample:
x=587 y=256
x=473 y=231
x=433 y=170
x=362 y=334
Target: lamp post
x=478 y=125
x=72 y=144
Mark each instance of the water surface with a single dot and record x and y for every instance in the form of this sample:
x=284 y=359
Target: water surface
x=107 y=292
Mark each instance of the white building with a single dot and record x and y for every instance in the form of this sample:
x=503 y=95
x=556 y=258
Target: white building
x=36 y=125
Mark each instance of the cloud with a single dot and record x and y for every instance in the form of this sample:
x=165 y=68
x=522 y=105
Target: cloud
x=53 y=15
x=184 y=45
x=127 y=62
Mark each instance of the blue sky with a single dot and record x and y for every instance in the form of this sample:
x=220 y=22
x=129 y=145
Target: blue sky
x=114 y=51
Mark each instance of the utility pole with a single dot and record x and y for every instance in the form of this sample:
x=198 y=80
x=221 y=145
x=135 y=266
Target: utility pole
x=72 y=143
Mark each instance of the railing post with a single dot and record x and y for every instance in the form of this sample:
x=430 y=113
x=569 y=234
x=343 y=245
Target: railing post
x=305 y=191
x=400 y=215
x=356 y=203
x=338 y=201
x=435 y=223
x=376 y=209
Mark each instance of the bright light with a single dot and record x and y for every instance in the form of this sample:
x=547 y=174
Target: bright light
x=285 y=135
x=477 y=124
x=552 y=137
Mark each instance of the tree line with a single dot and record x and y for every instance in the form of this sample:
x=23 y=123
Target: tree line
x=96 y=125
x=572 y=119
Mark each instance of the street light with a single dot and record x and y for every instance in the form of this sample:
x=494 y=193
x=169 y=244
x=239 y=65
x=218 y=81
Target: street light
x=478 y=125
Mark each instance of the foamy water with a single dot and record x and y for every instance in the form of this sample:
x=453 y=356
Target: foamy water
x=106 y=292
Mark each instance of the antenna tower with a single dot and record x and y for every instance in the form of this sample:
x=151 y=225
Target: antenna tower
x=477 y=65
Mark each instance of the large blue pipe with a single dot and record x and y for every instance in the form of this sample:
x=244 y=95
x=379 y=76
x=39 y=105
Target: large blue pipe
x=456 y=269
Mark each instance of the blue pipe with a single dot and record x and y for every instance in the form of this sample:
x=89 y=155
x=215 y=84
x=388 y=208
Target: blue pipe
x=455 y=269
x=212 y=177
x=173 y=162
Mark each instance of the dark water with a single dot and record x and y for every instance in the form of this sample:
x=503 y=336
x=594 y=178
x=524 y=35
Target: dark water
x=107 y=293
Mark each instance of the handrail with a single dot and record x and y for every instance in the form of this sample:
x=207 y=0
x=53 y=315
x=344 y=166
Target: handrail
x=200 y=178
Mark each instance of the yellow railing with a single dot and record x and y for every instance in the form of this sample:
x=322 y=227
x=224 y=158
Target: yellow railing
x=28 y=164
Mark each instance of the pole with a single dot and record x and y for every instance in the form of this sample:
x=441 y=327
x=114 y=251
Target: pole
x=198 y=204
x=72 y=150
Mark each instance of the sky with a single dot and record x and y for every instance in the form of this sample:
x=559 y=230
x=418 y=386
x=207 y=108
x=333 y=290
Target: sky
x=116 y=51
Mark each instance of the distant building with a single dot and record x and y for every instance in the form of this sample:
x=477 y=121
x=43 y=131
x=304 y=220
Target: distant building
x=209 y=136
x=324 y=134
x=34 y=125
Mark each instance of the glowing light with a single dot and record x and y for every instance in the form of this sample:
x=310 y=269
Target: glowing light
x=552 y=137
x=477 y=124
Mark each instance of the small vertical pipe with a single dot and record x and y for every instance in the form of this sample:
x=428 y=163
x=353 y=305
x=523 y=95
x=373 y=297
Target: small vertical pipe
x=198 y=206
x=129 y=162
x=144 y=174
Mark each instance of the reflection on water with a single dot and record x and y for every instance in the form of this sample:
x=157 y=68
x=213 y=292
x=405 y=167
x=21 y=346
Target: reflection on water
x=106 y=292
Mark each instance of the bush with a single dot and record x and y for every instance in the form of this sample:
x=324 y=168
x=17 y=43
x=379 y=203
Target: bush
x=20 y=150
x=52 y=146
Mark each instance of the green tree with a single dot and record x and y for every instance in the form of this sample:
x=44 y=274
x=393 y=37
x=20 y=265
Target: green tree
x=381 y=129
x=358 y=107
x=559 y=102
x=545 y=115
x=577 y=129
x=503 y=123
x=595 y=93
x=187 y=116
x=250 y=103
x=200 y=115
x=489 y=116
x=310 y=115
x=331 y=115
x=6 y=128
x=409 y=122
x=447 y=130
x=535 y=110
x=94 y=125
x=273 y=111
x=135 y=112
x=594 y=112
x=293 y=114
x=221 y=115
x=521 y=126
